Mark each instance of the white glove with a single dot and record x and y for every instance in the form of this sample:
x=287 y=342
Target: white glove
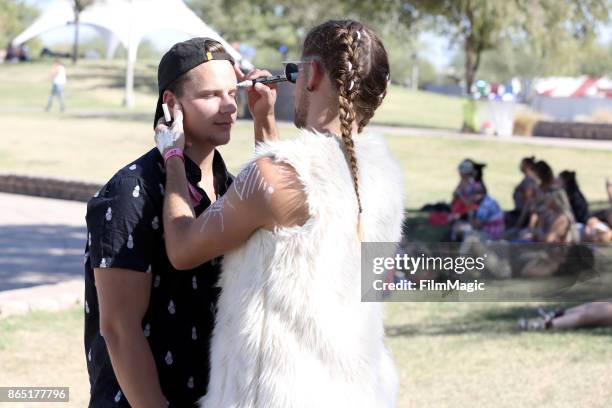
x=172 y=137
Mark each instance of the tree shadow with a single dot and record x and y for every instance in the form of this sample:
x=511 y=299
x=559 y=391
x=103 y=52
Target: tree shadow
x=33 y=255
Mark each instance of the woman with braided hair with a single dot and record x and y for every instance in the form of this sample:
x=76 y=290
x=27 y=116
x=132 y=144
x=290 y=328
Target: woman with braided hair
x=291 y=330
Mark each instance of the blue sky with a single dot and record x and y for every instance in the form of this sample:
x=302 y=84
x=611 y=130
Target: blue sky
x=438 y=51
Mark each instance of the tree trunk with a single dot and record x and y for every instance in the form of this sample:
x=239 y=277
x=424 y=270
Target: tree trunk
x=471 y=65
x=75 y=46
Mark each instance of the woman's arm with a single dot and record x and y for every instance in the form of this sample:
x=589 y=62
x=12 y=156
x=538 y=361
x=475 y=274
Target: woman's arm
x=264 y=195
x=191 y=241
x=559 y=230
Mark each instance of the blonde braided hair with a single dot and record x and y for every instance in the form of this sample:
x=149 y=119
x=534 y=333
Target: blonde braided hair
x=357 y=64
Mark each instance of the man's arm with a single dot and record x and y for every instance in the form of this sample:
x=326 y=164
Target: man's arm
x=123 y=298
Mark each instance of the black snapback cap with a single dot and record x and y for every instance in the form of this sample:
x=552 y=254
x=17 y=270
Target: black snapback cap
x=181 y=58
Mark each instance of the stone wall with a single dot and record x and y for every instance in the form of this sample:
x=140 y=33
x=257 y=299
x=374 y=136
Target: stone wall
x=46 y=187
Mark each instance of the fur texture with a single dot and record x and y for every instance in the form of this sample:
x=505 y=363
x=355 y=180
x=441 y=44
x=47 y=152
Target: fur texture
x=291 y=330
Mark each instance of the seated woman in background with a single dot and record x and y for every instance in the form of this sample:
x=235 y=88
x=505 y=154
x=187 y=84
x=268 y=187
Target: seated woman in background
x=523 y=195
x=605 y=215
x=578 y=203
x=469 y=188
x=552 y=220
x=489 y=218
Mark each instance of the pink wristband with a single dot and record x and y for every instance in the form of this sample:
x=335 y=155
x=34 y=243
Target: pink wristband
x=173 y=152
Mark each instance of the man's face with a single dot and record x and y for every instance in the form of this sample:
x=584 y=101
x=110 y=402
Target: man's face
x=209 y=103
x=301 y=99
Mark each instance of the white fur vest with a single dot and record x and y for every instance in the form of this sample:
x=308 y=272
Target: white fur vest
x=291 y=330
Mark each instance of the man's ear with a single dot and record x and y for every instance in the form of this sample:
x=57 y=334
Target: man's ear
x=315 y=75
x=169 y=99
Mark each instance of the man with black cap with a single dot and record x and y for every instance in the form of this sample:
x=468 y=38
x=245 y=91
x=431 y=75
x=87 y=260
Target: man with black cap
x=147 y=325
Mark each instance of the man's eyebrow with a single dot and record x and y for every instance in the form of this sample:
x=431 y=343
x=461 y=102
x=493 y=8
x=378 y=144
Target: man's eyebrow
x=213 y=90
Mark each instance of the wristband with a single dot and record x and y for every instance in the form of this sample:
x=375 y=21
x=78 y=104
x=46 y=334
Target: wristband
x=173 y=152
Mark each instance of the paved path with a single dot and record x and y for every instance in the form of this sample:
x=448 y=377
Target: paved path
x=393 y=130
x=532 y=140
x=41 y=253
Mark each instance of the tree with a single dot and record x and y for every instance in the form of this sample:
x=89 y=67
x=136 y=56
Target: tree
x=266 y=24
x=546 y=26
x=78 y=6
x=14 y=18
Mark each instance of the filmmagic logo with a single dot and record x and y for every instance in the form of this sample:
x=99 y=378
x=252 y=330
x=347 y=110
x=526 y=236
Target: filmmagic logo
x=412 y=265
x=409 y=264
x=429 y=284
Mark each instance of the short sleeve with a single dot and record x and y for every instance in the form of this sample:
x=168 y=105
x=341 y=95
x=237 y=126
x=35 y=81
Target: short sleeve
x=123 y=226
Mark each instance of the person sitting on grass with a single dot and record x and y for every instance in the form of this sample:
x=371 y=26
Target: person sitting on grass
x=605 y=215
x=579 y=204
x=489 y=218
x=552 y=220
x=523 y=194
x=470 y=185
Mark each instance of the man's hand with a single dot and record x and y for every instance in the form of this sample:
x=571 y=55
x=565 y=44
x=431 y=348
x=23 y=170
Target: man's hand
x=172 y=137
x=261 y=98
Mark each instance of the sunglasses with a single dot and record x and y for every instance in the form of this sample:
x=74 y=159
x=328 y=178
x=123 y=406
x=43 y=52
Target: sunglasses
x=293 y=68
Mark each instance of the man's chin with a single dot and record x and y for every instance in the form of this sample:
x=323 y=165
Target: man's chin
x=220 y=138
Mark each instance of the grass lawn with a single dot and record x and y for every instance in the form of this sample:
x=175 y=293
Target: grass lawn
x=98 y=85
x=93 y=149
x=404 y=107
x=92 y=85
x=44 y=349
x=448 y=355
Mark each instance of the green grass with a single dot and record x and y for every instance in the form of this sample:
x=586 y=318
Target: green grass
x=447 y=354
x=93 y=149
x=92 y=85
x=78 y=147
x=430 y=166
x=468 y=355
x=43 y=349
x=403 y=107
x=98 y=86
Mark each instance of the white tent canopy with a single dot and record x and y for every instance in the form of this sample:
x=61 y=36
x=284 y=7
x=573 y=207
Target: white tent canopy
x=127 y=22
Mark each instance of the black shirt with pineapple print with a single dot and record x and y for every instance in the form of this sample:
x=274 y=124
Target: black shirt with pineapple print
x=125 y=230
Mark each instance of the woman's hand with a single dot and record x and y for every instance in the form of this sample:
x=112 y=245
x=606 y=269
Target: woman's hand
x=261 y=98
x=172 y=137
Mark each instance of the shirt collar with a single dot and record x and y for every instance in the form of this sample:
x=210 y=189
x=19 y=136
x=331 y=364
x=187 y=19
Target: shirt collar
x=193 y=171
x=223 y=178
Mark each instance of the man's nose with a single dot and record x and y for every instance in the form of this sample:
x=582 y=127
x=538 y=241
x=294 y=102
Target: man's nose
x=228 y=104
